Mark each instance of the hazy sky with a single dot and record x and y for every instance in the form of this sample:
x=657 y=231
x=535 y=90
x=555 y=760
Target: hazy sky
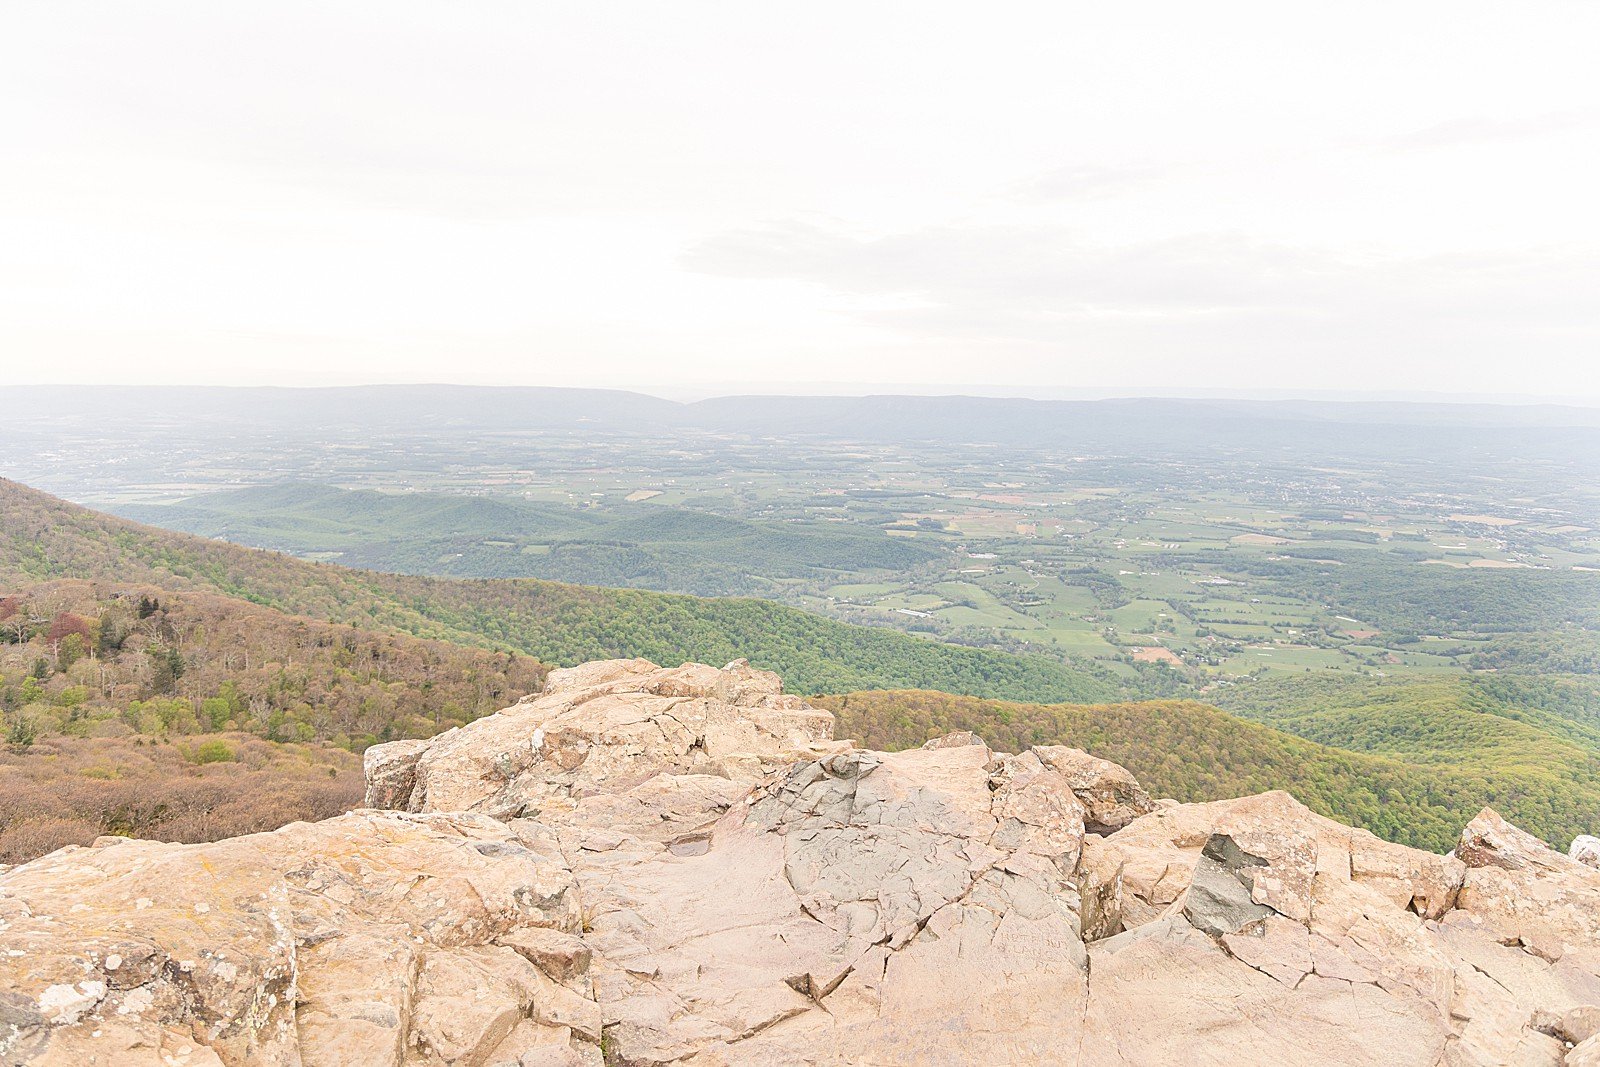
x=1392 y=195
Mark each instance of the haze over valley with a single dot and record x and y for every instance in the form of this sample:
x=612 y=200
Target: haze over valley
x=694 y=535
x=1411 y=583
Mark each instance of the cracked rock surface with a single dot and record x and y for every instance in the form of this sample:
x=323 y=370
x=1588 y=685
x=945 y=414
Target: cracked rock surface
x=650 y=866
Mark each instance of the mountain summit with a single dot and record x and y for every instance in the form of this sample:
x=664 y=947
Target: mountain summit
x=648 y=866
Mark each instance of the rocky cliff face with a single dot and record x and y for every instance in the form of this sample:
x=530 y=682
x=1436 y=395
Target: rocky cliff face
x=648 y=866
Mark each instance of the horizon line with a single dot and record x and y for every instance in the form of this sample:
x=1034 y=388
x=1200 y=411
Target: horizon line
x=689 y=392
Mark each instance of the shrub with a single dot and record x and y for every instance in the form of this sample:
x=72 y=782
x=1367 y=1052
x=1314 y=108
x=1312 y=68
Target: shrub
x=71 y=790
x=214 y=752
x=22 y=733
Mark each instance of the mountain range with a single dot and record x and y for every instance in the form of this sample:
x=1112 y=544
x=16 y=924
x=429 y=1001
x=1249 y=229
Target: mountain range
x=1374 y=428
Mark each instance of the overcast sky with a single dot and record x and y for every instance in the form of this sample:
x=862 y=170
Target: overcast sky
x=1396 y=196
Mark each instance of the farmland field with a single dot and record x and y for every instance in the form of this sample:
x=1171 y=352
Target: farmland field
x=1187 y=566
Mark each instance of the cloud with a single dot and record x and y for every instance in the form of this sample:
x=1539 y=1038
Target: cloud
x=1088 y=181
x=1480 y=130
x=1044 y=266
x=1212 y=296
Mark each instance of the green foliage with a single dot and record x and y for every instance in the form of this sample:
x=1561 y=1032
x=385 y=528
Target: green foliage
x=1533 y=742
x=22 y=732
x=1567 y=651
x=216 y=712
x=645 y=546
x=1487 y=721
x=166 y=667
x=1401 y=595
x=557 y=623
x=1193 y=752
x=32 y=691
x=72 y=648
x=249 y=668
x=213 y=751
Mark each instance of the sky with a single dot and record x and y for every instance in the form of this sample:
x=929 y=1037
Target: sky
x=1034 y=198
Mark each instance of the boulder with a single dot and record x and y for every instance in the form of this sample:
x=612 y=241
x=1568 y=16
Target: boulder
x=1586 y=850
x=682 y=867
x=1219 y=900
x=1111 y=796
x=391 y=771
x=600 y=729
x=958 y=739
x=1524 y=892
x=1158 y=852
x=1490 y=841
x=361 y=939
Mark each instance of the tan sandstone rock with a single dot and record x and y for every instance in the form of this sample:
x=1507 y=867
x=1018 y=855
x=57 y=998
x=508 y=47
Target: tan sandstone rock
x=333 y=942
x=681 y=867
x=1158 y=853
x=1586 y=850
x=600 y=729
x=859 y=908
x=1112 y=796
x=1525 y=892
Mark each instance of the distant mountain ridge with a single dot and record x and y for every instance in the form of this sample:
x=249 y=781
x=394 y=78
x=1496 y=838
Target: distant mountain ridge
x=1162 y=422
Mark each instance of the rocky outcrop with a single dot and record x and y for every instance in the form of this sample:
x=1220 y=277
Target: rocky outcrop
x=1111 y=795
x=643 y=866
x=837 y=894
x=375 y=937
x=600 y=729
x=1586 y=850
x=1521 y=892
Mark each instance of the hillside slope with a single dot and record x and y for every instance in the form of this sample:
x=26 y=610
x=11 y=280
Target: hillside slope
x=1488 y=721
x=650 y=866
x=65 y=790
x=43 y=537
x=454 y=535
x=1193 y=752
x=187 y=716
x=163 y=662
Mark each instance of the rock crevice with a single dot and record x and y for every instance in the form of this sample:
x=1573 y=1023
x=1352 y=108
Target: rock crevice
x=681 y=866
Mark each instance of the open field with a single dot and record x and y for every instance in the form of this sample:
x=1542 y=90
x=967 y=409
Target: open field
x=1345 y=555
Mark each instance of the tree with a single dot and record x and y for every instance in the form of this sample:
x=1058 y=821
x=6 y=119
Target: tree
x=214 y=751
x=166 y=667
x=22 y=733
x=72 y=648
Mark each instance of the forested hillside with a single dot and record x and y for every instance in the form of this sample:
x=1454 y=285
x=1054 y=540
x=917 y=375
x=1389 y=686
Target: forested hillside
x=1490 y=722
x=1190 y=751
x=67 y=790
x=1570 y=651
x=129 y=709
x=44 y=538
x=641 y=546
x=183 y=648
x=1397 y=595
x=99 y=659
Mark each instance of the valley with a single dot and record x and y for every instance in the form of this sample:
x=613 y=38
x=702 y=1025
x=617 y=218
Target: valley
x=1172 y=547
x=1396 y=641
x=1225 y=602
